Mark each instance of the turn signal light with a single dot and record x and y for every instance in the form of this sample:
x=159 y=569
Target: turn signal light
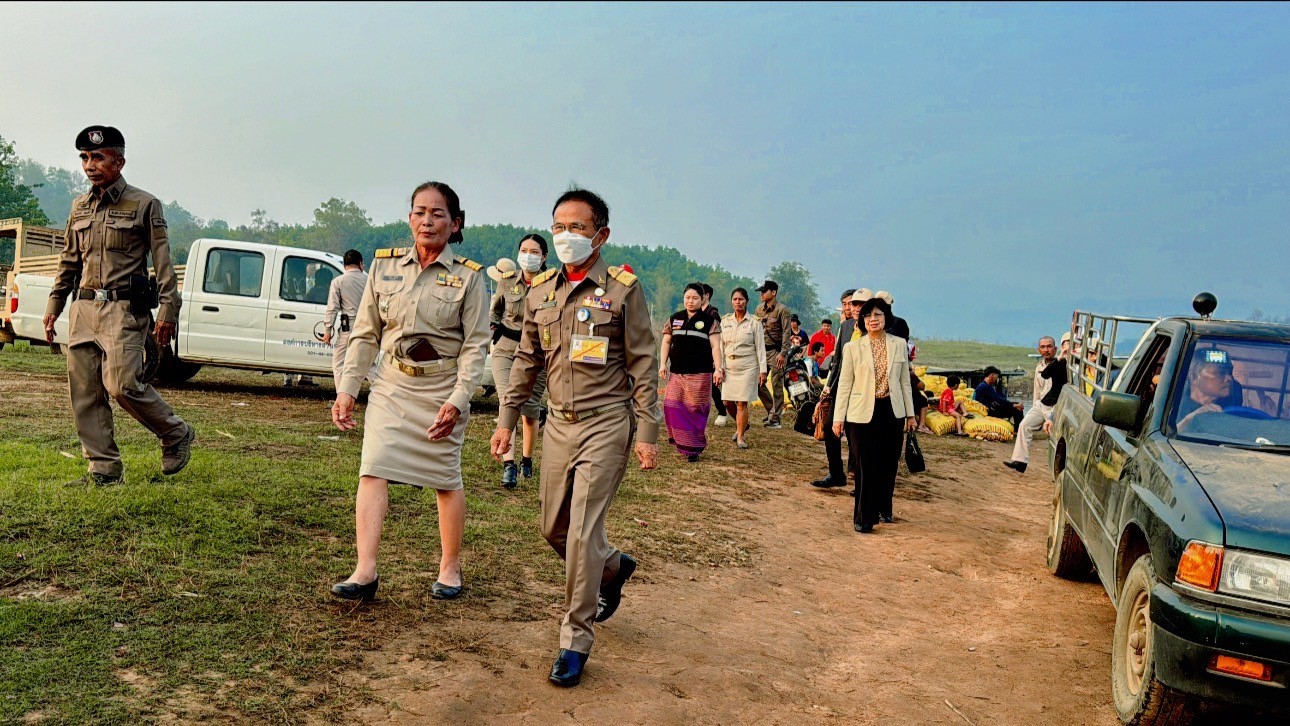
x=1240 y=667
x=1200 y=565
x=13 y=299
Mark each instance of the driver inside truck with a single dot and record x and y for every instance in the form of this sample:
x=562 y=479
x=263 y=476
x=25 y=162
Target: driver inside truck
x=1211 y=387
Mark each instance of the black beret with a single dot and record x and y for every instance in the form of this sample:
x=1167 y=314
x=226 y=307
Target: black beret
x=99 y=137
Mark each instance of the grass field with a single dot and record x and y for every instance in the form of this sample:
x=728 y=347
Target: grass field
x=206 y=594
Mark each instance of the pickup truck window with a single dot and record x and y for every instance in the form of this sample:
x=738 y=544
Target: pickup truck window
x=234 y=272
x=1234 y=391
x=305 y=280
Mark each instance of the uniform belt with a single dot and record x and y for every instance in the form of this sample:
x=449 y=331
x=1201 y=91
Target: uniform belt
x=439 y=366
x=574 y=416
x=85 y=293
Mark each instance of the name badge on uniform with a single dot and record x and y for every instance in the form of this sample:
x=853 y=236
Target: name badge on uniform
x=545 y=305
x=595 y=301
x=591 y=349
x=677 y=324
x=391 y=278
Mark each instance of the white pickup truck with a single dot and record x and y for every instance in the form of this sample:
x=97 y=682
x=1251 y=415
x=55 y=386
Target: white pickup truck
x=245 y=305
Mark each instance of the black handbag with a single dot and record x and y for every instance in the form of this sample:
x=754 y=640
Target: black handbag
x=804 y=423
x=914 y=455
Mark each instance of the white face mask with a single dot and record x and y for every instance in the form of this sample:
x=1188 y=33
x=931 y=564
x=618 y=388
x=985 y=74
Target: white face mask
x=572 y=248
x=529 y=261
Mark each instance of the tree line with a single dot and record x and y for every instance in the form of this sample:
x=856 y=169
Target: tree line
x=42 y=195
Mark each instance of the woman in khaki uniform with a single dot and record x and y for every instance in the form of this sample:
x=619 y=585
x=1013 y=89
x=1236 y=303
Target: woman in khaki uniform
x=743 y=344
x=426 y=314
x=507 y=319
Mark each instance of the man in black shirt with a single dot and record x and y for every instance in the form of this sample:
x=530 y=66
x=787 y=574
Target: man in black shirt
x=1050 y=376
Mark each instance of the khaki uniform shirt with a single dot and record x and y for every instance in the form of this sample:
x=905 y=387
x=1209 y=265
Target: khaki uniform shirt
x=110 y=234
x=444 y=304
x=619 y=312
x=742 y=341
x=775 y=322
x=507 y=310
x=343 y=296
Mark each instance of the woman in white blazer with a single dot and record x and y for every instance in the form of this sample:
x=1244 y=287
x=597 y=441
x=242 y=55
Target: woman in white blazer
x=876 y=407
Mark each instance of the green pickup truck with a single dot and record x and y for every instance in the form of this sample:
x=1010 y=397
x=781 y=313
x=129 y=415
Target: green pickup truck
x=1171 y=470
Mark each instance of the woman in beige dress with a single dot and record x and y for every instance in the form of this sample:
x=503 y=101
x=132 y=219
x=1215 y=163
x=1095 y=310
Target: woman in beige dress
x=744 y=350
x=425 y=313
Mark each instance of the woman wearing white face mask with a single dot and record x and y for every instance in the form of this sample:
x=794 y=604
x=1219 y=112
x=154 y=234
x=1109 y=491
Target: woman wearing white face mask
x=507 y=319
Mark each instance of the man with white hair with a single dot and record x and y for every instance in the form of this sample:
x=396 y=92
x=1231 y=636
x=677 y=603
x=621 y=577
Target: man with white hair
x=1050 y=376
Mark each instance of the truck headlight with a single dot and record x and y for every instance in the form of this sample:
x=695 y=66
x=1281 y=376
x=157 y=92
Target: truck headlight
x=1256 y=576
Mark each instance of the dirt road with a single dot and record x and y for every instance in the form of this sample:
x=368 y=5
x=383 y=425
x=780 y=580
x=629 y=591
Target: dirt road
x=947 y=616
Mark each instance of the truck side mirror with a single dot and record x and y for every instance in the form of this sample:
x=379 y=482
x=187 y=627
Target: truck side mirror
x=1117 y=410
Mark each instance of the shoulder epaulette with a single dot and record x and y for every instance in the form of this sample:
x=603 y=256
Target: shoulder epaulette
x=509 y=274
x=390 y=252
x=622 y=276
x=544 y=276
x=469 y=263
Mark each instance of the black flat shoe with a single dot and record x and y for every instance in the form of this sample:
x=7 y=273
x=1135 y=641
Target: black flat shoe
x=355 y=591
x=611 y=594
x=886 y=519
x=864 y=528
x=566 y=672
x=440 y=591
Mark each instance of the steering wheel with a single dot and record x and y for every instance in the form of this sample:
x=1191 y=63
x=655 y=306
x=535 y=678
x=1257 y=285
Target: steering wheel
x=1247 y=412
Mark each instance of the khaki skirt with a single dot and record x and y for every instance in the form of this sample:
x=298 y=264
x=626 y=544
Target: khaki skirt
x=741 y=379
x=400 y=408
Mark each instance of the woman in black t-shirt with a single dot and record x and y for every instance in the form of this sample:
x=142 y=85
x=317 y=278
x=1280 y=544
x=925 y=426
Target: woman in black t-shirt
x=691 y=356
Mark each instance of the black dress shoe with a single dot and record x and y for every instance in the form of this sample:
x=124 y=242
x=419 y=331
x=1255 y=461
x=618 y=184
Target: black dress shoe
x=611 y=594
x=827 y=483
x=692 y=458
x=355 y=591
x=94 y=479
x=864 y=528
x=510 y=475
x=886 y=519
x=440 y=591
x=1018 y=466
x=566 y=672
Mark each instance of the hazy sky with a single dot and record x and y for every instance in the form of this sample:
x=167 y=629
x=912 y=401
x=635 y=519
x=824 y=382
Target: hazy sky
x=993 y=166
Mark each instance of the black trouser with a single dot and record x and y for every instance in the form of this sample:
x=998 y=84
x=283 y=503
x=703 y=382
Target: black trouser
x=1006 y=411
x=717 y=403
x=833 y=451
x=876 y=446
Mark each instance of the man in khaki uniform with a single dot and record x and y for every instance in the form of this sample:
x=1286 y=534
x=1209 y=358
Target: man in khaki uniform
x=587 y=325
x=775 y=320
x=343 y=296
x=104 y=268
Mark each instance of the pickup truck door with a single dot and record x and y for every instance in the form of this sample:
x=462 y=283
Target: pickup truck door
x=223 y=313
x=1113 y=451
x=296 y=308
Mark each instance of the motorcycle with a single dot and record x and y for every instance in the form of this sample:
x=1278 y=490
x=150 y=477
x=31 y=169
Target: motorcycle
x=803 y=391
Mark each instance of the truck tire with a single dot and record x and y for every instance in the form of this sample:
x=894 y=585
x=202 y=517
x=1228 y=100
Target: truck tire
x=172 y=371
x=1067 y=557
x=1139 y=698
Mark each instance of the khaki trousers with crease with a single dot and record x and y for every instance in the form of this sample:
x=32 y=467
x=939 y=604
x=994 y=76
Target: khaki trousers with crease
x=582 y=467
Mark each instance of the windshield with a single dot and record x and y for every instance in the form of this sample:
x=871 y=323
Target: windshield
x=1234 y=391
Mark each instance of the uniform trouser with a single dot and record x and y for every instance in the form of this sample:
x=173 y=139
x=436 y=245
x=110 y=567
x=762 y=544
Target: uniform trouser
x=1033 y=421
x=104 y=359
x=773 y=400
x=877 y=447
x=833 y=452
x=340 y=344
x=717 y=403
x=583 y=464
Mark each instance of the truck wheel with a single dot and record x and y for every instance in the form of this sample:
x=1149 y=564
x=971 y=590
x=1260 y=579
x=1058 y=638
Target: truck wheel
x=1067 y=557
x=173 y=371
x=1140 y=698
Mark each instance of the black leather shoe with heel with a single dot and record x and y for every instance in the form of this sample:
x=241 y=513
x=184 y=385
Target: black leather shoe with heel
x=566 y=672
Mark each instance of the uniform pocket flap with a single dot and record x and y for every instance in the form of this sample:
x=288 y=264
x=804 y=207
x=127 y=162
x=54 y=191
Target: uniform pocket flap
x=602 y=317
x=547 y=316
x=448 y=293
x=120 y=222
x=81 y=225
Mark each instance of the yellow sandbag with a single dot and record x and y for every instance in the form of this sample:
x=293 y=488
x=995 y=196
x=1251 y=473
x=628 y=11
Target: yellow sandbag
x=988 y=428
x=939 y=423
x=934 y=383
x=971 y=405
x=920 y=371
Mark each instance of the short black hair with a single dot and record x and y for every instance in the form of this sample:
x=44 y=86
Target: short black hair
x=991 y=369
x=599 y=209
x=826 y=321
x=846 y=296
x=707 y=289
x=353 y=257
x=739 y=291
x=952 y=381
x=817 y=345
x=695 y=286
